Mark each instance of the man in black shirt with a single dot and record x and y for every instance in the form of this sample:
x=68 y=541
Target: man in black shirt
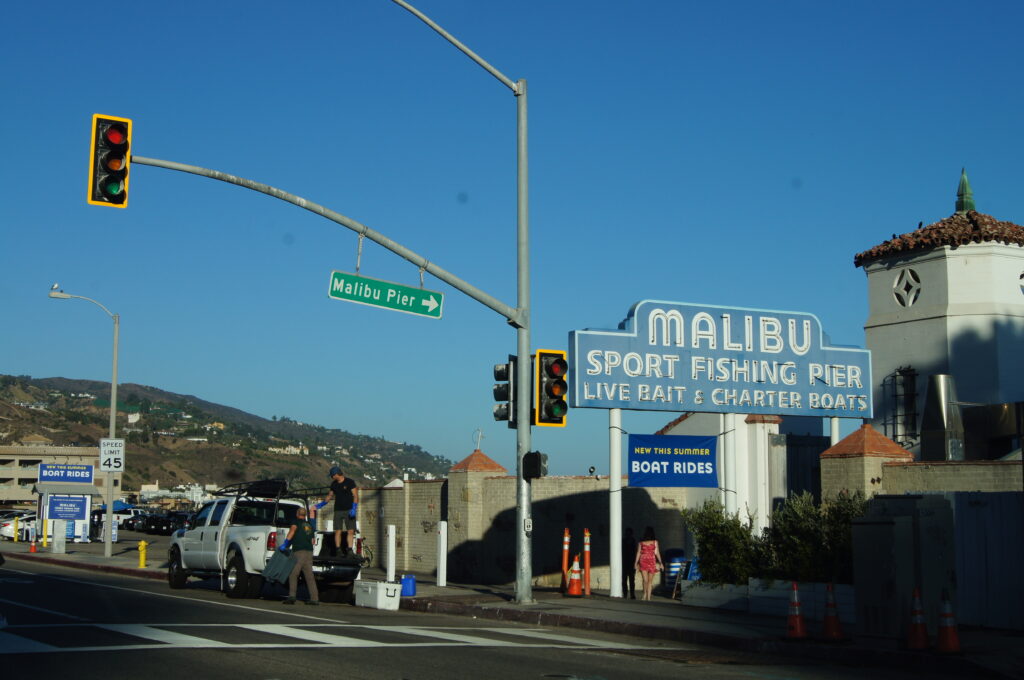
x=346 y=498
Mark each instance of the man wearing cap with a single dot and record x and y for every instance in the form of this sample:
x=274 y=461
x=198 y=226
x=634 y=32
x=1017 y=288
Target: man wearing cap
x=346 y=500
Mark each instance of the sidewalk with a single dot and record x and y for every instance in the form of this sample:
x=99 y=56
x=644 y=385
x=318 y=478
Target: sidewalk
x=987 y=653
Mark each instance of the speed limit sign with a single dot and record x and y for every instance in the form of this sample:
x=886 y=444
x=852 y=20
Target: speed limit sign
x=112 y=455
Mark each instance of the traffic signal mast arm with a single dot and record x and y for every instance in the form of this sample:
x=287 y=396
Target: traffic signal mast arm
x=515 y=316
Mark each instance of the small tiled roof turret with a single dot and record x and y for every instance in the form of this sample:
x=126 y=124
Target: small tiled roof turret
x=965 y=226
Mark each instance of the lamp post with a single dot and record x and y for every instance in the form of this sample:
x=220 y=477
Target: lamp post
x=524 y=521
x=108 y=485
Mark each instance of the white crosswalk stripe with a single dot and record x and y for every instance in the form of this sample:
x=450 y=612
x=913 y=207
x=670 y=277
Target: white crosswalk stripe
x=29 y=639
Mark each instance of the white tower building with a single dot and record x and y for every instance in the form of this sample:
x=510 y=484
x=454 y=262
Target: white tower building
x=948 y=299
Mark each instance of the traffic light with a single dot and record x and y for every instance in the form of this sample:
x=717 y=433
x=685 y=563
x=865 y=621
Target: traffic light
x=550 y=388
x=505 y=391
x=109 y=158
x=535 y=465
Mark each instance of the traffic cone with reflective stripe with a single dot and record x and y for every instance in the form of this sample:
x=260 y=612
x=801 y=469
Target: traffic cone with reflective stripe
x=948 y=640
x=833 y=630
x=795 y=629
x=917 y=636
x=32 y=547
x=575 y=580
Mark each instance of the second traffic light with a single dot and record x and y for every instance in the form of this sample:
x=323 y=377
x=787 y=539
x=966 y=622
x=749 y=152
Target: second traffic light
x=109 y=157
x=535 y=465
x=550 y=388
x=505 y=392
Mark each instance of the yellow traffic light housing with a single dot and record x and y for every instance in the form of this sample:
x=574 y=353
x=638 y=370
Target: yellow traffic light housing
x=550 y=388
x=109 y=158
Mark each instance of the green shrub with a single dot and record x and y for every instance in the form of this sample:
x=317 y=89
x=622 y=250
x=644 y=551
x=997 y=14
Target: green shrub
x=728 y=549
x=805 y=541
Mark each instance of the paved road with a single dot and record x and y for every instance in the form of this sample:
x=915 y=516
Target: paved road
x=66 y=623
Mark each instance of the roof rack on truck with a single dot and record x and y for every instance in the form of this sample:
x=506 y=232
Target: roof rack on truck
x=263 y=488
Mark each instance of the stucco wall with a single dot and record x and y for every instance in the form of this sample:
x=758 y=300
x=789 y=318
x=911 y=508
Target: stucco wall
x=481 y=512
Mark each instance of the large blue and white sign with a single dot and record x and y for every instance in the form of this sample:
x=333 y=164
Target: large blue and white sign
x=672 y=460
x=65 y=472
x=678 y=356
x=67 y=507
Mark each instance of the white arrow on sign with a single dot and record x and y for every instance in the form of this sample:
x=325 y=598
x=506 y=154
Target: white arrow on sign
x=431 y=303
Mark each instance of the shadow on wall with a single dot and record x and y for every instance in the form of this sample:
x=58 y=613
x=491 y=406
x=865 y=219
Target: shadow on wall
x=492 y=560
x=986 y=370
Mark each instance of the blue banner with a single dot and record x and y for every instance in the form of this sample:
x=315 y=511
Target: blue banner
x=67 y=507
x=65 y=472
x=673 y=460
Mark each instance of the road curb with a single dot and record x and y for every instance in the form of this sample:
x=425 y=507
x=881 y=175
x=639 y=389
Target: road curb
x=844 y=653
x=107 y=568
x=544 y=618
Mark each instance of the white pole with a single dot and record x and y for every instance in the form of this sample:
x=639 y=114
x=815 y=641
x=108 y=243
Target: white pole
x=442 y=554
x=615 y=501
x=835 y=430
x=391 y=553
x=729 y=444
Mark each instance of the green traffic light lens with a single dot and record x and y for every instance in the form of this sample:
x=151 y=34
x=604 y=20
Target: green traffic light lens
x=113 y=189
x=559 y=409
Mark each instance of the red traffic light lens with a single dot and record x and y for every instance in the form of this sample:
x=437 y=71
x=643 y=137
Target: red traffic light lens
x=116 y=135
x=557 y=368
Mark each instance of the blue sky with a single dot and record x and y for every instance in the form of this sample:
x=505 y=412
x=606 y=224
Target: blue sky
x=733 y=154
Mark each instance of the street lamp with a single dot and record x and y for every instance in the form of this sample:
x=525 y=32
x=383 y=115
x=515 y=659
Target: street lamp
x=108 y=490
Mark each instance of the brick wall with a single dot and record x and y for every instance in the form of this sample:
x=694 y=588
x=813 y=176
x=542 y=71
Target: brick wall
x=953 y=476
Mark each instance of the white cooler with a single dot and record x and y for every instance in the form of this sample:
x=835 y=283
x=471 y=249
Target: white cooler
x=377 y=594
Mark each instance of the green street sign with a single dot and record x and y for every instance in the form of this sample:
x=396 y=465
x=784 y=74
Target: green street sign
x=394 y=296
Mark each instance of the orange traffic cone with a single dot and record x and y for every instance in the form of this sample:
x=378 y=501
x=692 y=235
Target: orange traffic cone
x=917 y=636
x=575 y=581
x=795 y=629
x=32 y=547
x=948 y=640
x=833 y=630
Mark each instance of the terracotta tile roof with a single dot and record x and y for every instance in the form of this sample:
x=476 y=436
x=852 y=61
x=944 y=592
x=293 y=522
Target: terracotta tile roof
x=956 y=230
x=478 y=461
x=668 y=427
x=867 y=442
x=771 y=420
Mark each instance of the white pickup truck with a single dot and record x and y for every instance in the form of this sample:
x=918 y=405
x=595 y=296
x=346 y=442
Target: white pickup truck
x=235 y=534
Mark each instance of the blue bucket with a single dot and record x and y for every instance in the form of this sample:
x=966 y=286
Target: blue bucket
x=408 y=585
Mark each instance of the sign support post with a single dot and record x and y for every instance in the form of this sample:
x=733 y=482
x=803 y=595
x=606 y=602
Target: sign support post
x=615 y=501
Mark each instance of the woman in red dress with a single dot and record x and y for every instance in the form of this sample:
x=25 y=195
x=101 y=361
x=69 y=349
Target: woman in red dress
x=648 y=560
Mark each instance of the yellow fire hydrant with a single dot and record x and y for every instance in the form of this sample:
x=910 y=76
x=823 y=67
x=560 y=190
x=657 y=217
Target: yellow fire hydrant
x=142 y=554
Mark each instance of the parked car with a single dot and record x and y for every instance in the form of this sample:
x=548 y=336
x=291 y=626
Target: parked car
x=137 y=522
x=167 y=523
x=26 y=523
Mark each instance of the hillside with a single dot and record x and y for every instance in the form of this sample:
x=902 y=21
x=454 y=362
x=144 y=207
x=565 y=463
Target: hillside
x=177 y=439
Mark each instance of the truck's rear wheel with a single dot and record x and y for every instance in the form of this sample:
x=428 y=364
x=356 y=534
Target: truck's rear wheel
x=236 y=578
x=176 y=574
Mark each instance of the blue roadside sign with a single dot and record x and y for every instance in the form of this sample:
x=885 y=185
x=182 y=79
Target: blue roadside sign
x=673 y=460
x=67 y=507
x=65 y=472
